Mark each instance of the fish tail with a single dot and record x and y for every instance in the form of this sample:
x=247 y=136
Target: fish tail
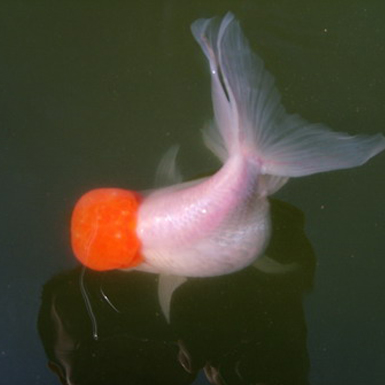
x=250 y=119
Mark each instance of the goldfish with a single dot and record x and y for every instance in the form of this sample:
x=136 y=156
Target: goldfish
x=219 y=224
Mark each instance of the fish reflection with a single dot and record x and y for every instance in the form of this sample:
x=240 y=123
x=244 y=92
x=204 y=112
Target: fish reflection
x=220 y=224
x=247 y=327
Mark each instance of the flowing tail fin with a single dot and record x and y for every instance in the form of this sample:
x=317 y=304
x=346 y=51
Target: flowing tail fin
x=250 y=118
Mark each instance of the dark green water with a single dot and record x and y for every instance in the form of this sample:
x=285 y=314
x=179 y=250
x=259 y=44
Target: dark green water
x=92 y=94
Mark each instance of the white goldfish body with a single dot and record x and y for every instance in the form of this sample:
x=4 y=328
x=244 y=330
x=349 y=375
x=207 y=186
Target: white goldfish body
x=221 y=224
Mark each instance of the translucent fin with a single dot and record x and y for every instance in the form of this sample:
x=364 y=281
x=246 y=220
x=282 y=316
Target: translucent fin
x=220 y=137
x=251 y=119
x=214 y=142
x=270 y=266
x=269 y=184
x=314 y=148
x=168 y=172
x=166 y=287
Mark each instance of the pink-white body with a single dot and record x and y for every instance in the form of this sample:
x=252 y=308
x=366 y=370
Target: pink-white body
x=221 y=224
x=214 y=227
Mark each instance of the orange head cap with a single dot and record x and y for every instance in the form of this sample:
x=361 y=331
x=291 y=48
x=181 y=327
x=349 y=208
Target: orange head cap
x=103 y=229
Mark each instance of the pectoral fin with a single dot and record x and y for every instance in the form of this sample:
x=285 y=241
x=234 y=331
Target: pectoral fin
x=166 y=286
x=268 y=265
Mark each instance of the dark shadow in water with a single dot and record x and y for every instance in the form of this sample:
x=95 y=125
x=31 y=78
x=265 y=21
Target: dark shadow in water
x=244 y=328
